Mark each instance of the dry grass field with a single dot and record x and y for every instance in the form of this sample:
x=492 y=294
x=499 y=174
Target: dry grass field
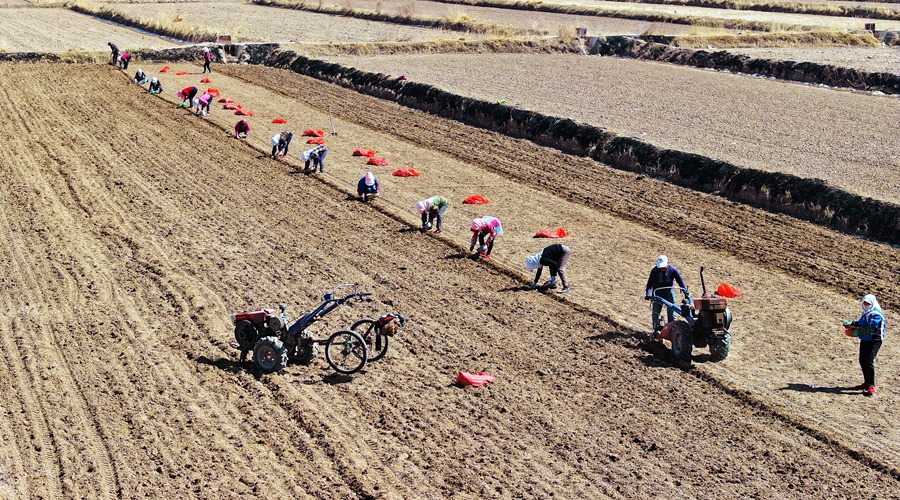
x=61 y=30
x=844 y=138
x=135 y=228
x=270 y=24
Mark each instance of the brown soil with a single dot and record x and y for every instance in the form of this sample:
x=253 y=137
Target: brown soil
x=270 y=24
x=803 y=130
x=871 y=59
x=129 y=241
x=61 y=30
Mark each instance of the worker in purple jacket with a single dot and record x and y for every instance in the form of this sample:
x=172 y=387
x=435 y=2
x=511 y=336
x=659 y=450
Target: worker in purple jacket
x=660 y=283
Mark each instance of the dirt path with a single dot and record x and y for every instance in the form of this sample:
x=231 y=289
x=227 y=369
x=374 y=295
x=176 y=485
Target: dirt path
x=131 y=239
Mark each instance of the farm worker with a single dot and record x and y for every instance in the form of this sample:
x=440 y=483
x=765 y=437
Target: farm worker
x=203 y=103
x=281 y=142
x=660 y=284
x=242 y=129
x=124 y=60
x=368 y=187
x=315 y=155
x=187 y=95
x=115 y=52
x=431 y=209
x=207 y=58
x=871 y=332
x=555 y=257
x=140 y=76
x=155 y=86
x=484 y=230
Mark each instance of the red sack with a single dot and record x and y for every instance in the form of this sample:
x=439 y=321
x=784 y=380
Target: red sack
x=165 y=70
x=206 y=80
x=181 y=73
x=364 y=152
x=213 y=92
x=378 y=162
x=474 y=379
x=226 y=99
x=405 y=172
x=313 y=133
x=552 y=233
x=728 y=291
x=230 y=106
x=316 y=141
x=279 y=120
x=243 y=112
x=476 y=200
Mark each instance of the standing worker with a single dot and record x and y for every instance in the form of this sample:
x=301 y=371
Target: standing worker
x=281 y=142
x=660 y=283
x=431 y=209
x=155 y=86
x=242 y=129
x=187 y=96
x=115 y=52
x=207 y=58
x=555 y=257
x=484 y=230
x=368 y=187
x=315 y=155
x=870 y=328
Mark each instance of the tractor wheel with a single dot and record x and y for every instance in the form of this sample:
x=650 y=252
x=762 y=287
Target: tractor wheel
x=245 y=334
x=682 y=341
x=719 y=347
x=346 y=352
x=376 y=343
x=305 y=353
x=269 y=354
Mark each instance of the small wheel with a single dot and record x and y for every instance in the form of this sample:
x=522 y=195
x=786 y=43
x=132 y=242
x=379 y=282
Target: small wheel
x=682 y=341
x=270 y=355
x=245 y=334
x=376 y=343
x=305 y=353
x=719 y=347
x=346 y=352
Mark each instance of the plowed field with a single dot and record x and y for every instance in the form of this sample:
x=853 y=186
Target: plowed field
x=133 y=229
x=844 y=138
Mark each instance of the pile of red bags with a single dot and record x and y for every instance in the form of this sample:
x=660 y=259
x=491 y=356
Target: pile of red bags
x=213 y=92
x=206 y=80
x=279 y=120
x=181 y=73
x=313 y=133
x=728 y=291
x=476 y=200
x=552 y=233
x=405 y=172
x=243 y=112
x=165 y=70
x=378 y=162
x=364 y=152
x=474 y=379
x=231 y=106
x=226 y=100
x=318 y=140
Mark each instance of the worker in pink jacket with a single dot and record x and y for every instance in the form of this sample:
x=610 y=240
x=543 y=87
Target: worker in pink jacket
x=484 y=230
x=203 y=106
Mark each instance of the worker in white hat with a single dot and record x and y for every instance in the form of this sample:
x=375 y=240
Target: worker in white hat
x=368 y=187
x=661 y=284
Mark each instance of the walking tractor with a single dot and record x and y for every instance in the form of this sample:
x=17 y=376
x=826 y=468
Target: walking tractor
x=274 y=343
x=702 y=322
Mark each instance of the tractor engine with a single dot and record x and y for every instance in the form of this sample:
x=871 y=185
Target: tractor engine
x=713 y=314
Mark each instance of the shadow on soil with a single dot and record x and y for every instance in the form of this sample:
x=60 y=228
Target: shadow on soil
x=827 y=390
x=232 y=366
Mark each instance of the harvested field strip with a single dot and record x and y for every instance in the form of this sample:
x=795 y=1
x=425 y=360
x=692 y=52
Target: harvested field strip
x=821 y=9
x=446 y=24
x=810 y=39
x=809 y=199
x=191 y=34
x=615 y=253
x=189 y=260
x=494 y=46
x=662 y=17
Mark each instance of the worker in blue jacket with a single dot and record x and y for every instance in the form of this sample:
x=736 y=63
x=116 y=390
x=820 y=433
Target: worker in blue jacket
x=660 y=283
x=871 y=332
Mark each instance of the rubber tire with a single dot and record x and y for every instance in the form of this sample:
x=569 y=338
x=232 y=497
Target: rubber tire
x=306 y=354
x=682 y=341
x=335 y=350
x=719 y=347
x=376 y=343
x=245 y=334
x=270 y=355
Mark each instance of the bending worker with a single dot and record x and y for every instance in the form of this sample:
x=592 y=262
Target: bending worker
x=155 y=86
x=484 y=231
x=431 y=209
x=555 y=257
x=242 y=129
x=315 y=155
x=368 y=187
x=660 y=283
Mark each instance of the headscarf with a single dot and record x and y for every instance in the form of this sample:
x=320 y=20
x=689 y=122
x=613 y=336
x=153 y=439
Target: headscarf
x=533 y=262
x=370 y=179
x=662 y=261
x=870 y=299
x=153 y=80
x=181 y=95
x=423 y=206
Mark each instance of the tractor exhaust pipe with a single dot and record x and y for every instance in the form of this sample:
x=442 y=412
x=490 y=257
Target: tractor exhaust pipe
x=702 y=281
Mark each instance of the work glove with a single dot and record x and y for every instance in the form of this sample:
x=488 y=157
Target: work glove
x=848 y=323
